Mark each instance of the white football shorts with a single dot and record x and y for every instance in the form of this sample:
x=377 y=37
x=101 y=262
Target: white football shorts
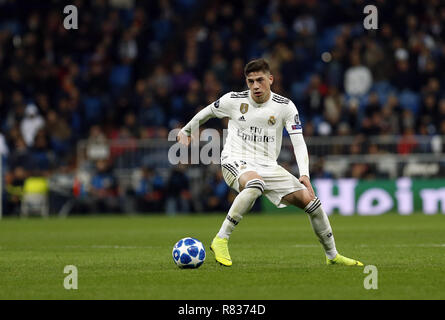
x=278 y=181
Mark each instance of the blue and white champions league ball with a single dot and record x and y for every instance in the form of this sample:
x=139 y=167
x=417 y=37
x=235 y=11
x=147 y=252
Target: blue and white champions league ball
x=189 y=253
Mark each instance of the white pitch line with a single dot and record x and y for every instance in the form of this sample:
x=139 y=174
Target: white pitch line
x=422 y=245
x=431 y=245
x=96 y=246
x=118 y=247
x=86 y=247
x=306 y=245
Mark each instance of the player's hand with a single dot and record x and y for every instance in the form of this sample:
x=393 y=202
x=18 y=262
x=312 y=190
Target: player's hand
x=307 y=183
x=182 y=138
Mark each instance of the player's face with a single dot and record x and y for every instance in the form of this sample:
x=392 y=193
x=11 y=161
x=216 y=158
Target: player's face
x=259 y=84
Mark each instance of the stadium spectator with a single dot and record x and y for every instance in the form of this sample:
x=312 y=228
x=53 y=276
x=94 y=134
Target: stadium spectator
x=408 y=143
x=4 y=149
x=333 y=105
x=60 y=132
x=42 y=157
x=20 y=155
x=314 y=97
x=151 y=114
x=31 y=123
x=405 y=75
x=318 y=171
x=216 y=195
x=15 y=181
x=150 y=191
x=61 y=184
x=104 y=191
x=358 y=77
x=178 y=192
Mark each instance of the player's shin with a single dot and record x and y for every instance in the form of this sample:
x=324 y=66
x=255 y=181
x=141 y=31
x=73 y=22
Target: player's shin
x=322 y=227
x=241 y=205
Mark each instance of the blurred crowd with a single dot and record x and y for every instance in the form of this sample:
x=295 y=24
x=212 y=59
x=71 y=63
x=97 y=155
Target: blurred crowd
x=137 y=69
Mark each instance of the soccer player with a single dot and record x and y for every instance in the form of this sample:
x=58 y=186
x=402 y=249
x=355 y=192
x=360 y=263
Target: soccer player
x=249 y=158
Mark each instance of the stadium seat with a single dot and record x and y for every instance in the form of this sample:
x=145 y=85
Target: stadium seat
x=92 y=108
x=177 y=104
x=297 y=91
x=120 y=77
x=383 y=89
x=410 y=100
x=327 y=40
x=363 y=101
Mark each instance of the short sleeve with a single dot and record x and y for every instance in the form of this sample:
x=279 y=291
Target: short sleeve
x=291 y=119
x=222 y=107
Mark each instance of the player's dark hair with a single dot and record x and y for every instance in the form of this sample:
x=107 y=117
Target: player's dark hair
x=257 y=65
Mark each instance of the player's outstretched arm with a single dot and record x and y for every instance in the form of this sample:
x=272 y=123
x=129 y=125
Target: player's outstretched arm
x=185 y=134
x=217 y=109
x=295 y=130
x=302 y=157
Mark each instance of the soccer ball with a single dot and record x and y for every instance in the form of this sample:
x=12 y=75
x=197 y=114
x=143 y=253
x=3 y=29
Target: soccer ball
x=189 y=253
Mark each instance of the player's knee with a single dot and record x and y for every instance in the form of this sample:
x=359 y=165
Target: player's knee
x=312 y=206
x=307 y=198
x=255 y=187
x=299 y=198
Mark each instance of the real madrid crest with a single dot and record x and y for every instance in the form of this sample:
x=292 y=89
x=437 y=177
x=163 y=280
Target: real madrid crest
x=272 y=120
x=244 y=107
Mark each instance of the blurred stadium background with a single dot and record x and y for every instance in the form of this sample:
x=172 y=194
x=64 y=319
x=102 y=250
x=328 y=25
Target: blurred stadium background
x=85 y=114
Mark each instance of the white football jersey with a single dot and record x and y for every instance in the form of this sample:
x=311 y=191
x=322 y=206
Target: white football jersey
x=255 y=131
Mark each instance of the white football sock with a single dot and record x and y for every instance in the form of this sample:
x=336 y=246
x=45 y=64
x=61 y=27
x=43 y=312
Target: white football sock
x=241 y=205
x=322 y=227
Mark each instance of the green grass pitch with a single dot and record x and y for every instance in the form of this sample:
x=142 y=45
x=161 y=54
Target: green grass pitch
x=276 y=256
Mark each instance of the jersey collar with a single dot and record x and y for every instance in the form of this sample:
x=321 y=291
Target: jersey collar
x=258 y=105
